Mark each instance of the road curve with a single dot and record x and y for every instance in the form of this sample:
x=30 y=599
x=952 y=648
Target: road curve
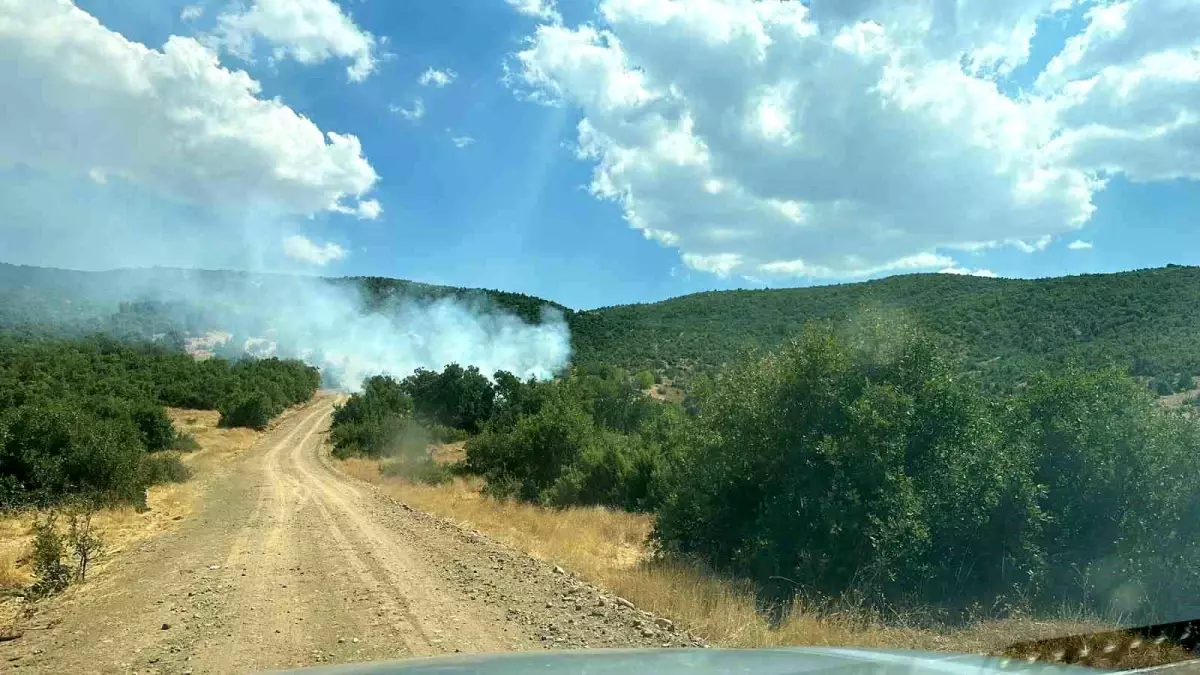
x=290 y=563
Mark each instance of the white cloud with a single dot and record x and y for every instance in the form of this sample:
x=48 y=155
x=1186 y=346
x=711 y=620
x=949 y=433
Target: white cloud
x=412 y=114
x=462 y=141
x=80 y=98
x=437 y=78
x=309 y=31
x=1127 y=91
x=369 y=209
x=841 y=147
x=842 y=138
x=301 y=248
x=969 y=272
x=1079 y=245
x=544 y=10
x=191 y=13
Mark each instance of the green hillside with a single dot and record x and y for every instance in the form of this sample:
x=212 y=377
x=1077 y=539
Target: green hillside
x=1144 y=320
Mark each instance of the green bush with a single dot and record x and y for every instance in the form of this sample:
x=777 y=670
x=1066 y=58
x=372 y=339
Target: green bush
x=247 y=409
x=164 y=468
x=51 y=573
x=457 y=397
x=863 y=462
x=1184 y=382
x=1163 y=387
x=154 y=426
x=527 y=461
x=381 y=437
x=78 y=416
x=48 y=450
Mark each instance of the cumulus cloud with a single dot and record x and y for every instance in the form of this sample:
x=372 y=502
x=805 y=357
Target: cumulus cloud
x=1127 y=91
x=81 y=98
x=414 y=113
x=544 y=10
x=1079 y=245
x=308 y=31
x=768 y=139
x=849 y=138
x=305 y=250
x=462 y=141
x=437 y=78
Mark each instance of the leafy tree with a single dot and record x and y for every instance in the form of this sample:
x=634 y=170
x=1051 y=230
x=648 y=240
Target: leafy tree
x=154 y=426
x=247 y=409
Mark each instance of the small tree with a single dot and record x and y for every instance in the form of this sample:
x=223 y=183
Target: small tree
x=644 y=380
x=154 y=426
x=53 y=575
x=84 y=541
x=247 y=410
x=1184 y=382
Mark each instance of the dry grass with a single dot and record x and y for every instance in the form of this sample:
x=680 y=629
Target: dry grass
x=123 y=527
x=448 y=453
x=609 y=548
x=13 y=575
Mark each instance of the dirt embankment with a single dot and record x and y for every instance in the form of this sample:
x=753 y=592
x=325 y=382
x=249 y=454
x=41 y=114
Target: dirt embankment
x=287 y=562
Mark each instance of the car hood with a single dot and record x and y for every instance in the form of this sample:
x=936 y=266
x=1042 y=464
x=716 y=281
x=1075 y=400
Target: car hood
x=795 y=661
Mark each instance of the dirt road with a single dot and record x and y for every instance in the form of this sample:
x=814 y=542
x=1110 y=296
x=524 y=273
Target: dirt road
x=290 y=563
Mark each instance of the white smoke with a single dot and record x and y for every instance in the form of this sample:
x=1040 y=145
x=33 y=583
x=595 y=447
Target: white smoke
x=331 y=324
x=329 y=328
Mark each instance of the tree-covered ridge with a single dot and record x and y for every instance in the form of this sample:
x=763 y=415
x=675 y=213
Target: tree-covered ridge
x=1144 y=321
x=378 y=291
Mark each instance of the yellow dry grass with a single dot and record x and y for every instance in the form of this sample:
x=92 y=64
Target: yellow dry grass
x=123 y=527
x=608 y=548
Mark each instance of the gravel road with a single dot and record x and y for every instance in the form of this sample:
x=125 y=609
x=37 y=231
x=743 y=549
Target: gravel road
x=289 y=563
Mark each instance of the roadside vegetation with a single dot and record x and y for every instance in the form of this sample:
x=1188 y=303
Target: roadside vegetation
x=859 y=464
x=86 y=419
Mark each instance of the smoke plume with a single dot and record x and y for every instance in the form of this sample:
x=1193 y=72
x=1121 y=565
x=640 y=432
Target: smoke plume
x=351 y=334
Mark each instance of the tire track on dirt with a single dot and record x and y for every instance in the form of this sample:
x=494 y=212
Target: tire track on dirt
x=376 y=553
x=289 y=563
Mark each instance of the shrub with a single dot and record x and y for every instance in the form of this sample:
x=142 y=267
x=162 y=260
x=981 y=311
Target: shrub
x=76 y=416
x=85 y=543
x=1184 y=382
x=49 y=450
x=457 y=397
x=155 y=427
x=185 y=442
x=381 y=437
x=527 y=461
x=164 y=468
x=52 y=574
x=861 y=462
x=247 y=409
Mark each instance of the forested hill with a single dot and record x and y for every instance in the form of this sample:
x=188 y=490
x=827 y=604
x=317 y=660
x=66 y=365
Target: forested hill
x=42 y=295
x=1146 y=320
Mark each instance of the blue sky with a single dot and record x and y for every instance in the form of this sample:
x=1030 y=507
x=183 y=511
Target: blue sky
x=515 y=208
